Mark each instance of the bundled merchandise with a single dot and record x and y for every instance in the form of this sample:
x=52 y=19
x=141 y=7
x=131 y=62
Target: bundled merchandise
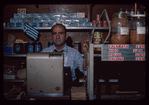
x=49 y=19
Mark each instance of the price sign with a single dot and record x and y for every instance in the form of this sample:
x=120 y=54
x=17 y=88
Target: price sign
x=123 y=52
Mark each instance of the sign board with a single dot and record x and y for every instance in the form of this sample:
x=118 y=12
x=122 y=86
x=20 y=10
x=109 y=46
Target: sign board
x=123 y=52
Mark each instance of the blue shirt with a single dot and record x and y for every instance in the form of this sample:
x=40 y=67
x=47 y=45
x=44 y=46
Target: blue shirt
x=72 y=58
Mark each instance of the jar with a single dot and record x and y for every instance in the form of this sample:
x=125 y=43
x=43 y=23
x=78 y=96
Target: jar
x=137 y=29
x=16 y=48
x=50 y=44
x=77 y=45
x=30 y=46
x=38 y=46
x=23 y=47
x=119 y=29
x=20 y=47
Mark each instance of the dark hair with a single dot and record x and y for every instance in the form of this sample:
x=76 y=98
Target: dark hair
x=59 y=25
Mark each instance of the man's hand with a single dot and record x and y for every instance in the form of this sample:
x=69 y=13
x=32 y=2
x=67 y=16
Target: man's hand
x=85 y=46
x=85 y=50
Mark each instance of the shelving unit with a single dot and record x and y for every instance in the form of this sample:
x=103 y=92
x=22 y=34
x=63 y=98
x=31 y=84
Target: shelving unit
x=69 y=28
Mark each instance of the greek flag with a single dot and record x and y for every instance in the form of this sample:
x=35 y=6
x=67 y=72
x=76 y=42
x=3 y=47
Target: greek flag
x=30 y=31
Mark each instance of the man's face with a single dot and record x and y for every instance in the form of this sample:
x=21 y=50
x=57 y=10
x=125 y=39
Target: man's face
x=58 y=35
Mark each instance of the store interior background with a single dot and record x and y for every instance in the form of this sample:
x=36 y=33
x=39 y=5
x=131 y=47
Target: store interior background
x=81 y=35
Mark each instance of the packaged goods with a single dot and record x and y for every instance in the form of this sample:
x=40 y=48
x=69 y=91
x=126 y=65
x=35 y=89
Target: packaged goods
x=84 y=19
x=18 y=24
x=77 y=45
x=21 y=10
x=88 y=24
x=38 y=46
x=20 y=47
x=97 y=17
x=94 y=23
x=137 y=29
x=80 y=14
x=17 y=15
x=11 y=24
x=119 y=29
x=97 y=38
x=73 y=15
x=50 y=44
x=30 y=46
x=99 y=23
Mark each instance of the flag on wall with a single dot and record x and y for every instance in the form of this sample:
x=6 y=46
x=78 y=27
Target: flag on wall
x=30 y=31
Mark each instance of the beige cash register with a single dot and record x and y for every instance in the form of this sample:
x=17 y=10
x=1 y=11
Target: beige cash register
x=45 y=74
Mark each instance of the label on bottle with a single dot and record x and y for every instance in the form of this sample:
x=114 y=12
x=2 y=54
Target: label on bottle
x=140 y=30
x=37 y=48
x=124 y=30
x=30 y=48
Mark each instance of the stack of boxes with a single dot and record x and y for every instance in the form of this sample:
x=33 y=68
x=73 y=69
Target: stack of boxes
x=49 y=19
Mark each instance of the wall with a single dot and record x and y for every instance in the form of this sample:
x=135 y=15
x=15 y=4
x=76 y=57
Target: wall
x=45 y=36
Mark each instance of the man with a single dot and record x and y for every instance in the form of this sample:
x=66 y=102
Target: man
x=72 y=57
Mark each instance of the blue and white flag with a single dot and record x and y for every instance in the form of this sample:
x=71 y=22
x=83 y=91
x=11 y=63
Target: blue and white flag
x=30 y=31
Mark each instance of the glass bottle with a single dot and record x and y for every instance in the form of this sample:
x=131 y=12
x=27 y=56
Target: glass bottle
x=137 y=29
x=119 y=29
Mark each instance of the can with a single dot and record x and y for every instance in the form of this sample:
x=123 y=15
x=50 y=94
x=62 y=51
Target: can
x=99 y=23
x=23 y=47
x=96 y=34
x=17 y=47
x=94 y=23
x=38 y=46
x=105 y=24
x=77 y=45
x=97 y=17
x=30 y=47
x=50 y=44
x=20 y=47
x=97 y=38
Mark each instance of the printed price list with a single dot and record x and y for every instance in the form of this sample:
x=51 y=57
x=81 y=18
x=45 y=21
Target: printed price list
x=123 y=52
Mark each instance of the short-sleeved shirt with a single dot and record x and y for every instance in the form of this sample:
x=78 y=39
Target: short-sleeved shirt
x=72 y=58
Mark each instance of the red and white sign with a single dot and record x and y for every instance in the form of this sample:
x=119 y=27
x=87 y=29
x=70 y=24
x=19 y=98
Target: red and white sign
x=113 y=50
x=139 y=46
x=139 y=58
x=114 y=54
x=118 y=46
x=137 y=50
x=139 y=54
x=116 y=58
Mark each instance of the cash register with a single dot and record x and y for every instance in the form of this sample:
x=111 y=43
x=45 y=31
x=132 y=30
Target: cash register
x=46 y=74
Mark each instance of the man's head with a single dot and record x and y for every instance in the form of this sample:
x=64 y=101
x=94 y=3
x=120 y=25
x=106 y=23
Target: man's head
x=59 y=35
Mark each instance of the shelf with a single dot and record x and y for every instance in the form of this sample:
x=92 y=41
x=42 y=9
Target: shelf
x=14 y=55
x=24 y=55
x=14 y=80
x=69 y=28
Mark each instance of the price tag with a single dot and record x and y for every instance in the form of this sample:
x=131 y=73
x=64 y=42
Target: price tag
x=140 y=30
x=124 y=30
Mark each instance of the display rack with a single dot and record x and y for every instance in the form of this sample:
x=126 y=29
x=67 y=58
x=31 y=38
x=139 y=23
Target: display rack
x=47 y=28
x=90 y=76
